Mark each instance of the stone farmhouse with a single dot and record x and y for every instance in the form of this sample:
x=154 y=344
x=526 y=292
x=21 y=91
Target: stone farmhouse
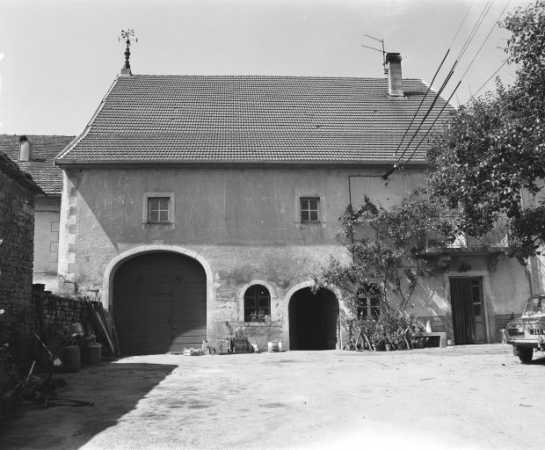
x=195 y=205
x=35 y=155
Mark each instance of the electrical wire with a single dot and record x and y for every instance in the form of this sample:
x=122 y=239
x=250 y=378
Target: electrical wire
x=464 y=74
x=468 y=41
x=430 y=109
x=492 y=76
x=476 y=27
x=421 y=102
x=429 y=88
x=434 y=122
x=460 y=26
x=486 y=39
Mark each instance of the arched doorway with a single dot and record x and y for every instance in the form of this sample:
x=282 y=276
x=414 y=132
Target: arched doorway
x=159 y=303
x=313 y=320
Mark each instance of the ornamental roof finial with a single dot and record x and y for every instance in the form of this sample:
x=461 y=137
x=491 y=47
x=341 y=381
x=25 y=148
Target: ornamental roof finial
x=126 y=36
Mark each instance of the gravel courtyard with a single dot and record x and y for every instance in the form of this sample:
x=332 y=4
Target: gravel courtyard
x=467 y=397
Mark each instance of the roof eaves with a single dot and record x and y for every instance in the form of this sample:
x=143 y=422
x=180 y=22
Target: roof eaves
x=225 y=162
x=77 y=140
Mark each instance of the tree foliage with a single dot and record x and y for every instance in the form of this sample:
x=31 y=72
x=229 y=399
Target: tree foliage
x=492 y=153
x=386 y=248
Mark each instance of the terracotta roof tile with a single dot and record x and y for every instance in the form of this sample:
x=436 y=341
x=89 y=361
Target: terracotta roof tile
x=42 y=167
x=252 y=118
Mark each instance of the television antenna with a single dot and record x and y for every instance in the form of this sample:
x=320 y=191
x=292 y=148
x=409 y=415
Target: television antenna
x=378 y=50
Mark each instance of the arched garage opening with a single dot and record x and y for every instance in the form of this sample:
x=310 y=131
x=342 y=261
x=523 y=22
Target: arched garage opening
x=159 y=303
x=313 y=320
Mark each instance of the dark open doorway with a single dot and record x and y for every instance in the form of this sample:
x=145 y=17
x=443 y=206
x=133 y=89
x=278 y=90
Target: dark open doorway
x=313 y=320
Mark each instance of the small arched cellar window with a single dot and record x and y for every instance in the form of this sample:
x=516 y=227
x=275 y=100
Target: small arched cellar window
x=257 y=303
x=24 y=149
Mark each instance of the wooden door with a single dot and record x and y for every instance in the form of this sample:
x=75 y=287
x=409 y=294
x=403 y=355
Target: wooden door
x=463 y=316
x=159 y=304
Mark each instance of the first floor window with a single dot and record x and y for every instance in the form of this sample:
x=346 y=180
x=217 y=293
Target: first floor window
x=310 y=209
x=368 y=308
x=158 y=209
x=257 y=303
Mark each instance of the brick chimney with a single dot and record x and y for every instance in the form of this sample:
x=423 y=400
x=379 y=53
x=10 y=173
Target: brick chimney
x=395 y=79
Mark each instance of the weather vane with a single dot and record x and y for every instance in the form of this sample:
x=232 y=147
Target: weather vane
x=126 y=36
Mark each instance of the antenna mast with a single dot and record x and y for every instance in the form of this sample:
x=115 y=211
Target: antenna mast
x=379 y=50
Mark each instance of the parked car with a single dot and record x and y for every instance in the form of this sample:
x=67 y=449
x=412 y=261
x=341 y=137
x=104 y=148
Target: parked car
x=527 y=333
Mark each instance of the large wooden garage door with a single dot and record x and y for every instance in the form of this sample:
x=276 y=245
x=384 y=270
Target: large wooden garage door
x=159 y=304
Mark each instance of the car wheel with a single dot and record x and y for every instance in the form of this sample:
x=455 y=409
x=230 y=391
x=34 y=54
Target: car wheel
x=525 y=354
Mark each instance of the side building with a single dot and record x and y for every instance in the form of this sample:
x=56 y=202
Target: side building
x=17 y=193
x=35 y=155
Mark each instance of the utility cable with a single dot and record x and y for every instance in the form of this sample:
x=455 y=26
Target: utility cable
x=434 y=122
x=421 y=102
x=476 y=27
x=432 y=81
x=481 y=47
x=430 y=109
x=492 y=76
x=462 y=77
x=460 y=26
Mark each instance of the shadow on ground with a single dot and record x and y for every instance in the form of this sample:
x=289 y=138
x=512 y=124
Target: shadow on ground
x=114 y=389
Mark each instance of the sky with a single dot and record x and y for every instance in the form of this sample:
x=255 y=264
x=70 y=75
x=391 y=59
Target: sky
x=59 y=57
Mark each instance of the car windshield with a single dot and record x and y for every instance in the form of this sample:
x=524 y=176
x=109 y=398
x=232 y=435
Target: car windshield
x=535 y=306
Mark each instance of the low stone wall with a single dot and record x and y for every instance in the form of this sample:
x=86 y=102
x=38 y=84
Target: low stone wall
x=55 y=314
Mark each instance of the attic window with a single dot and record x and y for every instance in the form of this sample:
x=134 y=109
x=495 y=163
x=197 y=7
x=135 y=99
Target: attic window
x=24 y=149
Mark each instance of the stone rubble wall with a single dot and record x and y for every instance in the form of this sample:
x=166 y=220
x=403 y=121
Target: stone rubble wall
x=16 y=256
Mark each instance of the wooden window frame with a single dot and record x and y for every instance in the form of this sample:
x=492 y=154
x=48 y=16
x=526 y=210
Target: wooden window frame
x=306 y=208
x=158 y=210
x=369 y=305
x=256 y=293
x=146 y=211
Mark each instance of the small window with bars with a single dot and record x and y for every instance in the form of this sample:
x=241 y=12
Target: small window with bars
x=310 y=209
x=158 y=209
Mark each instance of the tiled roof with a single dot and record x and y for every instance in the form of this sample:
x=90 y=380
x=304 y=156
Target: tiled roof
x=42 y=167
x=252 y=119
x=11 y=169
